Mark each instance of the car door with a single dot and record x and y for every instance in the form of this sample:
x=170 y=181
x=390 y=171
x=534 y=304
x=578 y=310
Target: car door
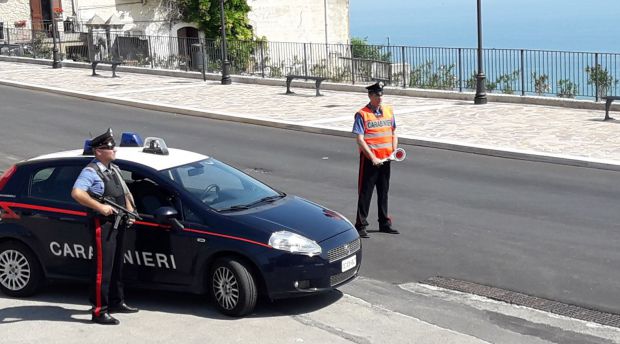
x=156 y=253
x=57 y=221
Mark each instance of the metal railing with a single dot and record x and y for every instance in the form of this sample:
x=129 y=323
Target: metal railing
x=509 y=71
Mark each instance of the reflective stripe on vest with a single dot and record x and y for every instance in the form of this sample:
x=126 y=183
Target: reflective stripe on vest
x=378 y=133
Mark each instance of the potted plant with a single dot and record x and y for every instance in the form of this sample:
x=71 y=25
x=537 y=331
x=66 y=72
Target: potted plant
x=20 y=23
x=57 y=12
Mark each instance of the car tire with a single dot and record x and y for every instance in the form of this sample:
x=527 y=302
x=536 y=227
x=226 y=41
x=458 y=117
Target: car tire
x=20 y=272
x=232 y=287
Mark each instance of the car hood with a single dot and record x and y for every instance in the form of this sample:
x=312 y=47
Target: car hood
x=296 y=215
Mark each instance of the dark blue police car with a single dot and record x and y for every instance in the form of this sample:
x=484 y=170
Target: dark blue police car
x=206 y=228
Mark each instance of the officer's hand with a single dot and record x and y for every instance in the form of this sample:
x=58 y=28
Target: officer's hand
x=106 y=210
x=376 y=162
x=130 y=221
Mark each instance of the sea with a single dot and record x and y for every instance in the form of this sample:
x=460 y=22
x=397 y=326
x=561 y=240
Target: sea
x=557 y=25
x=557 y=38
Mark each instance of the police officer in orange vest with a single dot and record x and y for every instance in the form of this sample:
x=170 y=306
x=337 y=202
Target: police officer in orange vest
x=374 y=126
x=101 y=178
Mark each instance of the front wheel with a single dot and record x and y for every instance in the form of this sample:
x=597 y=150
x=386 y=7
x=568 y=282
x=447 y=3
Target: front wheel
x=233 y=287
x=20 y=272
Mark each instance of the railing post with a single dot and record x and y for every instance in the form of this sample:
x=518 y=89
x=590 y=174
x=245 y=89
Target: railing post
x=152 y=58
x=8 y=36
x=32 y=38
x=352 y=65
x=305 y=61
x=403 y=64
x=595 y=77
x=186 y=57
x=204 y=61
x=118 y=48
x=522 y=72
x=460 y=70
x=262 y=59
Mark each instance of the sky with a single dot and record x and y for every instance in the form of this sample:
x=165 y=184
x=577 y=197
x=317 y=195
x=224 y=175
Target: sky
x=574 y=25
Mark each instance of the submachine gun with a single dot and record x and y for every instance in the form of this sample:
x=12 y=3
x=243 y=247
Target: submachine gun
x=122 y=213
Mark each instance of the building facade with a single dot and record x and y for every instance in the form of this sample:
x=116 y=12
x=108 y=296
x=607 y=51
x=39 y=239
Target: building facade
x=311 y=21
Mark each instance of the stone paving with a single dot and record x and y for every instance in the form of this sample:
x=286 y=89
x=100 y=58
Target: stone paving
x=574 y=133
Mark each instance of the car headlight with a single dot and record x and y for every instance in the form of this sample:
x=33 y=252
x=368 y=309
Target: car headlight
x=294 y=243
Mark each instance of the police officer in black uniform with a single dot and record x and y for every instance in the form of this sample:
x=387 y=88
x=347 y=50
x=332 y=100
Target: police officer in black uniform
x=374 y=127
x=101 y=179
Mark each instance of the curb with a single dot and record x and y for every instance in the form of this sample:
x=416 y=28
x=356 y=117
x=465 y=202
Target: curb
x=407 y=140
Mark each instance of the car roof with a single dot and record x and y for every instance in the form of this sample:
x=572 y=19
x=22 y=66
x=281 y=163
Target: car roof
x=176 y=157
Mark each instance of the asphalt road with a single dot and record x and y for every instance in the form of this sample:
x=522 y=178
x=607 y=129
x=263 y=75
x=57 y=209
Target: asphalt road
x=541 y=229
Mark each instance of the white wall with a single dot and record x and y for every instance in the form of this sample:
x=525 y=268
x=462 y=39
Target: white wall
x=13 y=10
x=300 y=20
x=278 y=20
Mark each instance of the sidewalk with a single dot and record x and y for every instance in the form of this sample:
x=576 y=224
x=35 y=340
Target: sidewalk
x=560 y=135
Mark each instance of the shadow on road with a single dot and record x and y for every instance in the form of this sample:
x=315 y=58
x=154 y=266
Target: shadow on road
x=42 y=312
x=74 y=300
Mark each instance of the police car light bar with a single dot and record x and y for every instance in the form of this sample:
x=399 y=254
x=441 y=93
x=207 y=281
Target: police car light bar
x=155 y=145
x=129 y=139
x=88 y=148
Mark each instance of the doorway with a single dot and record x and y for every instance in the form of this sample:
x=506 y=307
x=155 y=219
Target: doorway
x=189 y=56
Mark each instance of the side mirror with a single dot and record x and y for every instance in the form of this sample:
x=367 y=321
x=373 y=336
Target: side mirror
x=167 y=215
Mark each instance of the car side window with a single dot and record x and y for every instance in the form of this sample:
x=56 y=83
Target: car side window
x=147 y=194
x=54 y=183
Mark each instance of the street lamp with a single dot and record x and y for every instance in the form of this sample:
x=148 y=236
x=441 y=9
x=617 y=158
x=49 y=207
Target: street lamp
x=225 y=63
x=55 y=60
x=481 y=93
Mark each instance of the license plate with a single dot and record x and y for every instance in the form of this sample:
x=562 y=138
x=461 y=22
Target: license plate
x=349 y=263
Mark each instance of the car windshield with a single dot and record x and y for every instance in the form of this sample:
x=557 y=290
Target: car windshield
x=220 y=186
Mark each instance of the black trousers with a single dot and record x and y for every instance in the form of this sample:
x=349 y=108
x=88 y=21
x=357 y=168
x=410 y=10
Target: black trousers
x=106 y=287
x=369 y=177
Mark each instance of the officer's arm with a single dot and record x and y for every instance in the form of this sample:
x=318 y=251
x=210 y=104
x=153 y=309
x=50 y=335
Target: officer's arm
x=366 y=150
x=129 y=203
x=83 y=198
x=394 y=140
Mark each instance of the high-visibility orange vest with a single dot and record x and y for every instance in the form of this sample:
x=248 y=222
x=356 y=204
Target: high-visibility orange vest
x=378 y=133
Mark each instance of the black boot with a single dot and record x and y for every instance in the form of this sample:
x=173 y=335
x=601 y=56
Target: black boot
x=123 y=308
x=105 y=319
x=362 y=233
x=389 y=230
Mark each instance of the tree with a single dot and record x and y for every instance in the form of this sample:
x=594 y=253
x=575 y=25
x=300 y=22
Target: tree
x=601 y=79
x=541 y=83
x=206 y=13
x=362 y=50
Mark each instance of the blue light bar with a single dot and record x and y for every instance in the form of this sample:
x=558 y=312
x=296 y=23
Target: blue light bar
x=129 y=139
x=88 y=148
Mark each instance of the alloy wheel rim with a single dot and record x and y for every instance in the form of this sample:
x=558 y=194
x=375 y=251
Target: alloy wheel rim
x=14 y=270
x=226 y=288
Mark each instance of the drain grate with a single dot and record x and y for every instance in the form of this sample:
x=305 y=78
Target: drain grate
x=555 y=307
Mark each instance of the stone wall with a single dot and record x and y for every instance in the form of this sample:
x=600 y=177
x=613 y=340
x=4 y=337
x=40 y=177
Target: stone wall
x=14 y=10
x=300 y=20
